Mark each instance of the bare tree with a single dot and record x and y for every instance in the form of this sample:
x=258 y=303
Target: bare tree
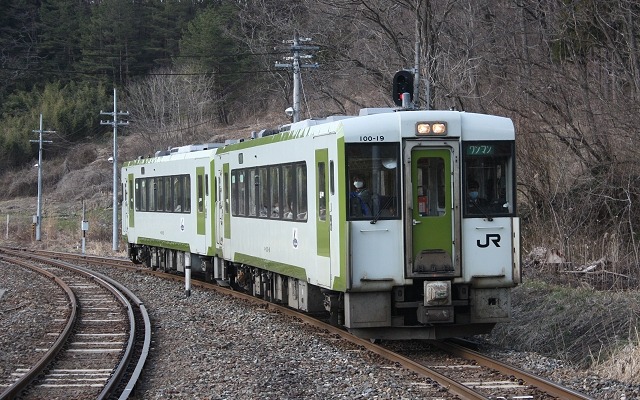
x=171 y=108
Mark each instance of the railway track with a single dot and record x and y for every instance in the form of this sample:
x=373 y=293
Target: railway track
x=102 y=344
x=463 y=372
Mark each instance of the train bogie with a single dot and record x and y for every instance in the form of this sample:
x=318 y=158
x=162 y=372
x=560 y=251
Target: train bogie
x=398 y=224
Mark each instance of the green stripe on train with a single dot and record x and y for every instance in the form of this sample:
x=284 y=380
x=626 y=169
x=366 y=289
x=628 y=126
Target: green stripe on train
x=280 y=268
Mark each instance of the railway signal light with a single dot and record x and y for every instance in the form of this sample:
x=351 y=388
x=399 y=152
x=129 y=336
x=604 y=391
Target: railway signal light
x=402 y=83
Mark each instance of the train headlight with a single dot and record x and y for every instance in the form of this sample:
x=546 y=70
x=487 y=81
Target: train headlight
x=431 y=129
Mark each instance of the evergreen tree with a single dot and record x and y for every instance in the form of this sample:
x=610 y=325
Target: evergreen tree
x=59 y=36
x=109 y=47
x=209 y=46
x=167 y=20
x=18 y=58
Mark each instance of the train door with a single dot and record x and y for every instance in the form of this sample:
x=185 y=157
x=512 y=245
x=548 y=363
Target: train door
x=430 y=210
x=201 y=210
x=223 y=211
x=130 y=199
x=124 y=206
x=323 y=217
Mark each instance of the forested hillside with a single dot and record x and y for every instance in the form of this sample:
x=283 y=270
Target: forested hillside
x=567 y=73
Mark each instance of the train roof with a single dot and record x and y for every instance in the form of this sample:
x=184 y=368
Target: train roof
x=468 y=126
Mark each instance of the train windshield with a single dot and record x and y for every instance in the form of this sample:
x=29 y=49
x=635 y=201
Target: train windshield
x=489 y=179
x=373 y=179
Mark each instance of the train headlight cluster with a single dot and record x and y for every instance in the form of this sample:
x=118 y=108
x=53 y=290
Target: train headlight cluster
x=431 y=129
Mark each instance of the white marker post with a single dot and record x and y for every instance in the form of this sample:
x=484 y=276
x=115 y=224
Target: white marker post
x=187 y=274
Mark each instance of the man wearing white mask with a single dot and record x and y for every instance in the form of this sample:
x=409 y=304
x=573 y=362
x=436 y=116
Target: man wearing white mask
x=360 y=198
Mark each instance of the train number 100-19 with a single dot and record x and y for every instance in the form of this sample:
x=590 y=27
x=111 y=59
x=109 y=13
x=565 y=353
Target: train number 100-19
x=372 y=138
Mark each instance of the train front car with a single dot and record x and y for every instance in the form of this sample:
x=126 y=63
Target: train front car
x=433 y=240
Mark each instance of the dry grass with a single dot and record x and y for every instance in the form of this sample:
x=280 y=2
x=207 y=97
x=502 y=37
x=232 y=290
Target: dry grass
x=624 y=363
x=559 y=317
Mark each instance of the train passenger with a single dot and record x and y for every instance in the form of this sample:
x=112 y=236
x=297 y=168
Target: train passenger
x=360 y=198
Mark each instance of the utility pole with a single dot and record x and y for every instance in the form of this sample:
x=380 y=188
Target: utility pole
x=38 y=220
x=115 y=123
x=295 y=65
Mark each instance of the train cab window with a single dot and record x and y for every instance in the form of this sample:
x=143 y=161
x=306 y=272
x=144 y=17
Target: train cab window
x=373 y=180
x=489 y=179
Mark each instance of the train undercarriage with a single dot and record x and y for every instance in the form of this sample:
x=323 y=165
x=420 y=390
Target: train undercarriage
x=354 y=311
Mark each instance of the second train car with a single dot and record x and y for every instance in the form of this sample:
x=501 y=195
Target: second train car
x=398 y=224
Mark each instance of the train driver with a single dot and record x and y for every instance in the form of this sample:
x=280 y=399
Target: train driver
x=360 y=198
x=474 y=194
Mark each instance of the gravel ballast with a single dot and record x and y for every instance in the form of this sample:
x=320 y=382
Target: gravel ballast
x=212 y=346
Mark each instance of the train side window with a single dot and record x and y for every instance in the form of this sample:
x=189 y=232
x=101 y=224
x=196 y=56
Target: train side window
x=288 y=193
x=241 y=192
x=252 y=188
x=143 y=194
x=168 y=202
x=263 y=192
x=187 y=193
x=274 y=187
x=322 y=191
x=160 y=194
x=301 y=191
x=234 y=193
x=177 y=194
x=152 y=194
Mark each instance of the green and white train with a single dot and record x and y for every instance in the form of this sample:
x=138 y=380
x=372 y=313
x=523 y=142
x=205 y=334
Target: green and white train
x=398 y=224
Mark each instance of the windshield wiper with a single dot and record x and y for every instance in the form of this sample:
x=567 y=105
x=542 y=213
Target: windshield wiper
x=380 y=210
x=476 y=205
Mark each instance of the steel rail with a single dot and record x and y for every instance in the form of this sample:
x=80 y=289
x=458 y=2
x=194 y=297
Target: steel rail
x=123 y=294
x=537 y=381
x=24 y=381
